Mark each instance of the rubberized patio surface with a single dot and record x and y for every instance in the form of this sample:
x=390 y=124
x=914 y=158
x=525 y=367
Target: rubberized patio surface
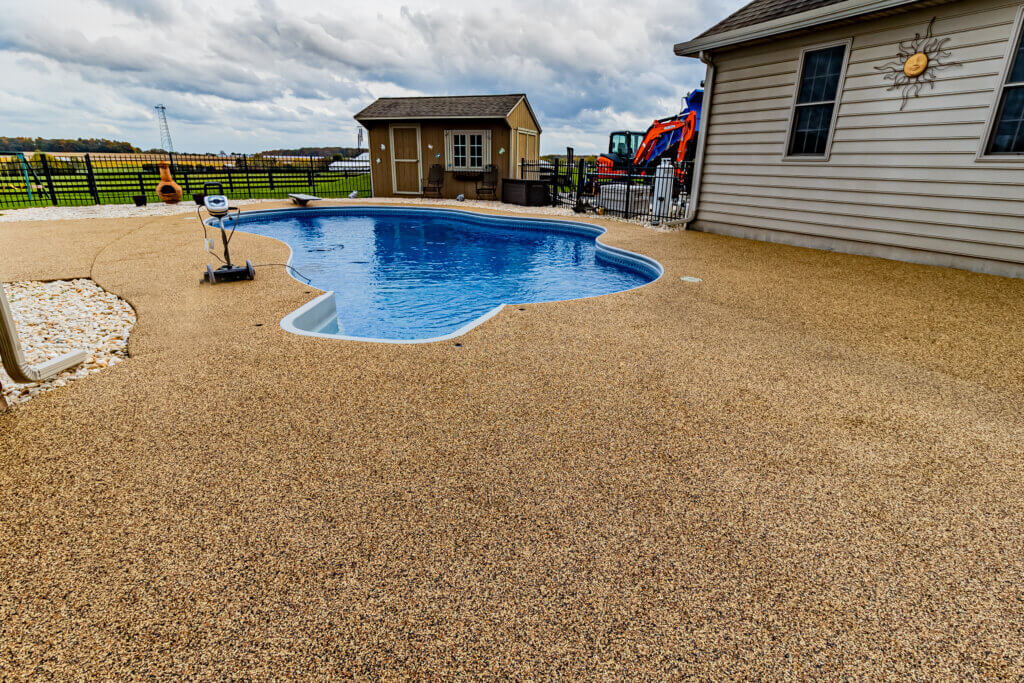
x=807 y=464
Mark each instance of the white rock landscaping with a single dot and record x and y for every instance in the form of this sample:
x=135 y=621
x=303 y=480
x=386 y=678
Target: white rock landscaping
x=58 y=317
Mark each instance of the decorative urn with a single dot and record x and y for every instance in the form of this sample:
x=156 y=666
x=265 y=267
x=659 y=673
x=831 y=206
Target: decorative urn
x=167 y=190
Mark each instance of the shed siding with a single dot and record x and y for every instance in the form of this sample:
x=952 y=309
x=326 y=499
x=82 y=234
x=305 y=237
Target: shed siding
x=525 y=140
x=432 y=152
x=520 y=117
x=897 y=184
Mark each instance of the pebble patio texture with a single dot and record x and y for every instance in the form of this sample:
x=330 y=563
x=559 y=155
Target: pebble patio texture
x=809 y=464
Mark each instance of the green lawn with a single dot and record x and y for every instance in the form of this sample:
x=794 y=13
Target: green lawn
x=118 y=186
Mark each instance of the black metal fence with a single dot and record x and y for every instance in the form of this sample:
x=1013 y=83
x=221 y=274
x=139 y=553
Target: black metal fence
x=655 y=195
x=59 y=179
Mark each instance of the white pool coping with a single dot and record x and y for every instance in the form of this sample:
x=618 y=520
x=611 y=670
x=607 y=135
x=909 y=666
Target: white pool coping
x=318 y=314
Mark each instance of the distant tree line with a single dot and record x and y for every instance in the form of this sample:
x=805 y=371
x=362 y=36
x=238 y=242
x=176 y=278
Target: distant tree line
x=335 y=153
x=18 y=144
x=62 y=145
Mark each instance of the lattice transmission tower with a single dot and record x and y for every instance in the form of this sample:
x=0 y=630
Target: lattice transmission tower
x=165 y=131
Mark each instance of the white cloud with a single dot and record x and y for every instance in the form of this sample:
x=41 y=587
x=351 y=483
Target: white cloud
x=241 y=76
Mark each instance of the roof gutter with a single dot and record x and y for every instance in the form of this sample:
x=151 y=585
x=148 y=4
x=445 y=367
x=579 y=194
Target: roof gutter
x=702 y=140
x=794 y=22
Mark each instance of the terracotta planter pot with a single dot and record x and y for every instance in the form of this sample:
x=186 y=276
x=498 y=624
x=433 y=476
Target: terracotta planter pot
x=168 y=190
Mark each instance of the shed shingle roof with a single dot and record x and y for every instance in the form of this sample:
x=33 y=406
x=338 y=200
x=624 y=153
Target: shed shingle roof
x=760 y=11
x=459 y=106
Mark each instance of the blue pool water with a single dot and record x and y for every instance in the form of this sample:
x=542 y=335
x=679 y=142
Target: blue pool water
x=410 y=274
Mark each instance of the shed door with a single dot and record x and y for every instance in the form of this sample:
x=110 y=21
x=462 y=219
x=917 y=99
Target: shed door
x=406 y=170
x=526 y=148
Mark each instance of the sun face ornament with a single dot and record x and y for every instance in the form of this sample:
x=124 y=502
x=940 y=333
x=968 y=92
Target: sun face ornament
x=917 y=64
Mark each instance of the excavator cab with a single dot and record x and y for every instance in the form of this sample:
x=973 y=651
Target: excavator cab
x=622 y=146
x=624 y=143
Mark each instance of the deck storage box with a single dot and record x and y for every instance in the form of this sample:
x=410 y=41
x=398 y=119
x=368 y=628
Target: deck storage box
x=525 y=192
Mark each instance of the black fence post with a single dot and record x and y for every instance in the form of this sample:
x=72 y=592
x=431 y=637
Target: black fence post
x=581 y=170
x=245 y=169
x=49 y=179
x=629 y=186
x=555 y=198
x=91 y=177
x=312 y=186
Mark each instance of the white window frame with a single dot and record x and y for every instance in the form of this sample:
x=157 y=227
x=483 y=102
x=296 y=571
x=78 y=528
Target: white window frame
x=449 y=150
x=997 y=95
x=801 y=158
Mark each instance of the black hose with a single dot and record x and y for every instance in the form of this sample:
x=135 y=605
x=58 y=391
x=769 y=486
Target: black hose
x=232 y=234
x=284 y=265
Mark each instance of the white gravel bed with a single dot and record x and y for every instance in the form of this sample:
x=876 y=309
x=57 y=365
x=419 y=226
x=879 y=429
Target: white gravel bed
x=55 y=318
x=63 y=213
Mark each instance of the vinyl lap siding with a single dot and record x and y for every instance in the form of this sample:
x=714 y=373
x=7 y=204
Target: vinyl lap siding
x=897 y=184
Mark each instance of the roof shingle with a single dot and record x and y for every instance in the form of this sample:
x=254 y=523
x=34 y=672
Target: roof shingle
x=462 y=106
x=760 y=11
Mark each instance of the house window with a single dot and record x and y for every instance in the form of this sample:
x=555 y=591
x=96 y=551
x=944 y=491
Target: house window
x=1008 y=130
x=467 y=150
x=814 y=110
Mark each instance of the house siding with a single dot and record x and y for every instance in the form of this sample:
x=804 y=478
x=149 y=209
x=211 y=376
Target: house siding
x=904 y=185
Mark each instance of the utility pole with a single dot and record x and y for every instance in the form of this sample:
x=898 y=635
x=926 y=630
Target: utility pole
x=165 y=131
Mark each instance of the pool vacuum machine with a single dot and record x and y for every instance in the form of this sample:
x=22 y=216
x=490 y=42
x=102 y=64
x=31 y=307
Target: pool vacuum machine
x=217 y=206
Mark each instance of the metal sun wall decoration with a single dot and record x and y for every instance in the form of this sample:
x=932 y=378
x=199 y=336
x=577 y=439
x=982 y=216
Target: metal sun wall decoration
x=916 y=64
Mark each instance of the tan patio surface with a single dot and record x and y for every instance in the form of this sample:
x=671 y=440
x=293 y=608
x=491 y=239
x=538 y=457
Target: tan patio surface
x=808 y=464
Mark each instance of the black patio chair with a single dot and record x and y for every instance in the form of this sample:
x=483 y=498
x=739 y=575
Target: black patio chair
x=488 y=183
x=435 y=180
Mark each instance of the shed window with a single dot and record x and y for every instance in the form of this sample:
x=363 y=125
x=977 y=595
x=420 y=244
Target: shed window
x=467 y=150
x=814 y=109
x=1008 y=132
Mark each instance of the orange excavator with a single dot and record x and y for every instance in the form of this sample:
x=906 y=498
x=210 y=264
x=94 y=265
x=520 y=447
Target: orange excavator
x=673 y=137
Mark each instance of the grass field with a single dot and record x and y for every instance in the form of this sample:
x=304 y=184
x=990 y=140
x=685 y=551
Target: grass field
x=119 y=183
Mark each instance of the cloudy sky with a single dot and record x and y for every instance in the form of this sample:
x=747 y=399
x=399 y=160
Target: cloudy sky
x=246 y=76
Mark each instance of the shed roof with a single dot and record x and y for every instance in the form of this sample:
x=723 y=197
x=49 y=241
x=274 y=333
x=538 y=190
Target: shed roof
x=448 y=107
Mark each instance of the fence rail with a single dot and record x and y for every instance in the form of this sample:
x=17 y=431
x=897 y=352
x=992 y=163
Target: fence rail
x=654 y=195
x=69 y=180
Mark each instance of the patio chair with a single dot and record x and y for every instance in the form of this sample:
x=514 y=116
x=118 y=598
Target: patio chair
x=435 y=180
x=14 y=359
x=488 y=183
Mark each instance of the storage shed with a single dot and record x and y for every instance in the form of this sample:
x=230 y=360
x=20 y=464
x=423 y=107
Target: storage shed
x=892 y=128
x=463 y=134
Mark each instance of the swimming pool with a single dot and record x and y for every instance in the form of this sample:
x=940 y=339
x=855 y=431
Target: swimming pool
x=415 y=275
